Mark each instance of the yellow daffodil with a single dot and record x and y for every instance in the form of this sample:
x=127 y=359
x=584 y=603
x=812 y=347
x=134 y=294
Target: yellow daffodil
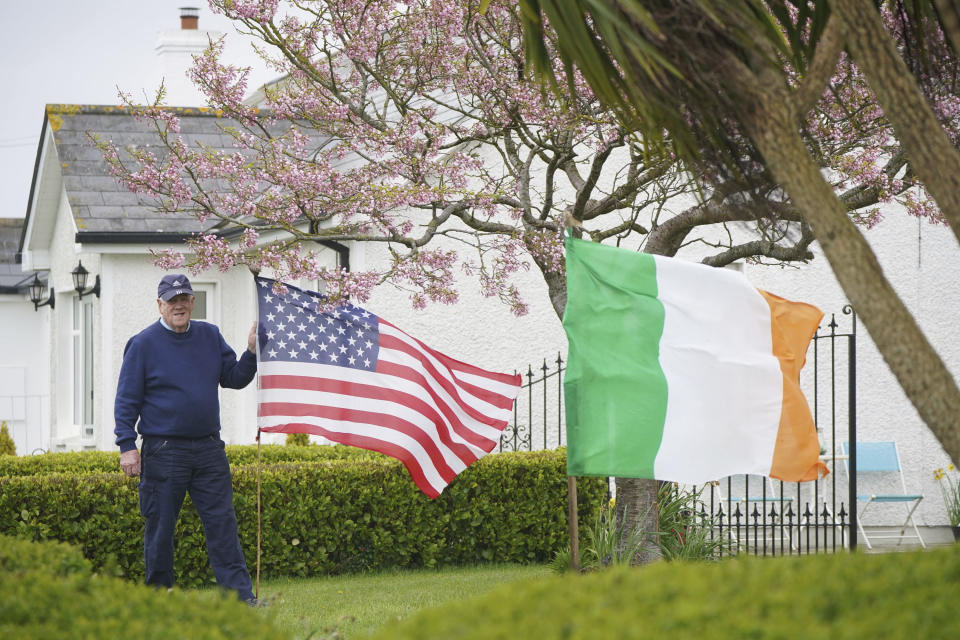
x=950 y=488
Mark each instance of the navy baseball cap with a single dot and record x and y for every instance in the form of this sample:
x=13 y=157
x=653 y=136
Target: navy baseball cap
x=173 y=285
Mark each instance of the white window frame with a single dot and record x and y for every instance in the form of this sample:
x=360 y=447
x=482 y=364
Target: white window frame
x=82 y=371
x=332 y=261
x=209 y=291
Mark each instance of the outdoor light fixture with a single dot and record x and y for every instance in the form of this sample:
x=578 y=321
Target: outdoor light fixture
x=80 y=281
x=36 y=294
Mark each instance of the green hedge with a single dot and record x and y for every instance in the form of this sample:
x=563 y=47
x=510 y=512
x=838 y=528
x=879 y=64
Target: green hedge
x=109 y=461
x=325 y=517
x=895 y=595
x=57 y=559
x=49 y=591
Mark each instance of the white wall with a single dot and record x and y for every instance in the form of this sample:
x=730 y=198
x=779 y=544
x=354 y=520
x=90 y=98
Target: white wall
x=480 y=331
x=24 y=371
x=922 y=262
x=63 y=259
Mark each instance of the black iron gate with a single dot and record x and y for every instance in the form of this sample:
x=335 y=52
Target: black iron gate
x=752 y=513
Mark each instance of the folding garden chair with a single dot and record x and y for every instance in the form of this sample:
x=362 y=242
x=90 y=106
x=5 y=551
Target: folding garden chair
x=876 y=461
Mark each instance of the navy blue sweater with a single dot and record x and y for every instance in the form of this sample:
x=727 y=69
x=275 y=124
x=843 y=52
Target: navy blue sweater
x=169 y=382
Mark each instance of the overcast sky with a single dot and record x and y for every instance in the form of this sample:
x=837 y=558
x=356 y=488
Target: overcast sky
x=79 y=52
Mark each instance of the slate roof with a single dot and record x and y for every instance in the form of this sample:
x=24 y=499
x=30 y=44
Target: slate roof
x=100 y=204
x=104 y=210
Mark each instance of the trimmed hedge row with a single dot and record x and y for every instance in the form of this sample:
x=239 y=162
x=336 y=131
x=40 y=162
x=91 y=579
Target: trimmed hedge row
x=57 y=559
x=49 y=591
x=895 y=595
x=109 y=461
x=325 y=517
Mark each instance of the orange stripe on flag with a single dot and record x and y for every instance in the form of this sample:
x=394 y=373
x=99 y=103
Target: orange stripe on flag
x=796 y=455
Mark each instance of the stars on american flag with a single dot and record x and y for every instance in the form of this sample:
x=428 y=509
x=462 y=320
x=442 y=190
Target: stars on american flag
x=293 y=329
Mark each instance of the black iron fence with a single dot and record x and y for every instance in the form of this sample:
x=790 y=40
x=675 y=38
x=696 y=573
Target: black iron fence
x=750 y=514
x=538 y=420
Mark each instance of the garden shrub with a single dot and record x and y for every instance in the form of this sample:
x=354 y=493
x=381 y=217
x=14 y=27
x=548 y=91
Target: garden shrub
x=109 y=461
x=297 y=439
x=61 y=462
x=327 y=516
x=895 y=595
x=55 y=558
x=49 y=591
x=7 y=447
x=275 y=453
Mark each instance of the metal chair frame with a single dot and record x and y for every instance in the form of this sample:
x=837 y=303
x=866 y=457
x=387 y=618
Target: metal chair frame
x=884 y=457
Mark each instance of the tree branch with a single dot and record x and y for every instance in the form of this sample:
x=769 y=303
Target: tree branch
x=821 y=70
x=799 y=251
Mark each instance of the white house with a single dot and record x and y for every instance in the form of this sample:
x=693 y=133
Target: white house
x=67 y=355
x=79 y=215
x=24 y=350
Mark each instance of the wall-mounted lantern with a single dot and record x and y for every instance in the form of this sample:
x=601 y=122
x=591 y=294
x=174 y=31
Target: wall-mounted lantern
x=37 y=288
x=80 y=281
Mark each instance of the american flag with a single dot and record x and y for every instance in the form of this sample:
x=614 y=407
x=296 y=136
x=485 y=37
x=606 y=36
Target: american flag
x=356 y=379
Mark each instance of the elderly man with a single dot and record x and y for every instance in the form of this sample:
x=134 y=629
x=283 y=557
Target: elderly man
x=168 y=391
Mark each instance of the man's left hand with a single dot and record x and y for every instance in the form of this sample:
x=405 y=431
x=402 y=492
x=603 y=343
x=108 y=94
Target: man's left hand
x=252 y=339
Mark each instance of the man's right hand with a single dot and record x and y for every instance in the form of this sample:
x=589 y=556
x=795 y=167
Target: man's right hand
x=130 y=462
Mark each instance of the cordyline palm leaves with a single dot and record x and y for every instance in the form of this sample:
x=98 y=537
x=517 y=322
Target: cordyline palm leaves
x=727 y=84
x=638 y=59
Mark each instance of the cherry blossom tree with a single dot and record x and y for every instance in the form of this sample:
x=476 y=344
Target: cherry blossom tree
x=405 y=123
x=415 y=125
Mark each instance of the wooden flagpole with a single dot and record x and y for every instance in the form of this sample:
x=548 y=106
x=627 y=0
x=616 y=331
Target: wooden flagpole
x=256 y=593
x=573 y=228
x=255 y=273
x=572 y=516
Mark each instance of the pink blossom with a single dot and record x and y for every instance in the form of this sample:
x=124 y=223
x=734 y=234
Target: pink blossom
x=403 y=123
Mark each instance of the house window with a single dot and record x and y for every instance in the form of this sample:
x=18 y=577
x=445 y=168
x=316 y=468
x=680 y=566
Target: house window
x=81 y=336
x=335 y=256
x=204 y=304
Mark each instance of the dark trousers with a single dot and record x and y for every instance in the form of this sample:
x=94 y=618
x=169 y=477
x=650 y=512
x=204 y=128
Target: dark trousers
x=169 y=469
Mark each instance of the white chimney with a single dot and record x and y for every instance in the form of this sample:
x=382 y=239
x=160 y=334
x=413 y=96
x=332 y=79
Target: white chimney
x=176 y=48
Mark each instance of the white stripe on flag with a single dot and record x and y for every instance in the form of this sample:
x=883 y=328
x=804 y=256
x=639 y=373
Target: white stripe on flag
x=725 y=385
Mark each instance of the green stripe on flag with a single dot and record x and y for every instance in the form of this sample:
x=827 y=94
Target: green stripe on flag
x=615 y=390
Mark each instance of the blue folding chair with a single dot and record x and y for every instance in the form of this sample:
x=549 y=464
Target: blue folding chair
x=877 y=460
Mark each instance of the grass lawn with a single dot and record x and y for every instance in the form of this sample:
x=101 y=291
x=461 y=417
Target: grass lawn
x=358 y=605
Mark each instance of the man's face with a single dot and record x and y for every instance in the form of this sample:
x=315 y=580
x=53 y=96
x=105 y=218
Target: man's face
x=176 y=311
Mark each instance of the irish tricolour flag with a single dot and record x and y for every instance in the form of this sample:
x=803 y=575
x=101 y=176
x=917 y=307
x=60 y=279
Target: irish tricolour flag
x=683 y=372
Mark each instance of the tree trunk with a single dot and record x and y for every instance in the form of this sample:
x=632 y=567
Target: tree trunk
x=917 y=367
x=929 y=150
x=637 y=510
